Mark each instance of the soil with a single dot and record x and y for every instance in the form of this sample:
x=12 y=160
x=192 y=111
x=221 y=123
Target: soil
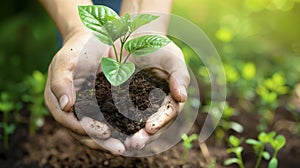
x=52 y=146
x=125 y=108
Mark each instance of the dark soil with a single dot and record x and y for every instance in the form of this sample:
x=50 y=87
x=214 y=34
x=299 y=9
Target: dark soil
x=52 y=146
x=126 y=107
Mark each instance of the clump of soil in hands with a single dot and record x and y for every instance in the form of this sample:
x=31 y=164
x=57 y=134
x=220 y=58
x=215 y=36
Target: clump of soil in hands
x=125 y=108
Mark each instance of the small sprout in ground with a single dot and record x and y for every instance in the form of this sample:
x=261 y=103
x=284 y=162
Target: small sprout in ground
x=109 y=27
x=187 y=143
x=259 y=148
x=6 y=106
x=237 y=150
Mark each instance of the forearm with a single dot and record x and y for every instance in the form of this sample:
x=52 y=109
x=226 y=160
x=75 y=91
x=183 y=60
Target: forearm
x=157 y=7
x=64 y=13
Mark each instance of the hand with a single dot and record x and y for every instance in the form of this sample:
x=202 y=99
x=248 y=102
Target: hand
x=73 y=63
x=168 y=63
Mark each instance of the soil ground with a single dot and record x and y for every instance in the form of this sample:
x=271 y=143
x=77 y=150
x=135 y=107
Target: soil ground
x=52 y=146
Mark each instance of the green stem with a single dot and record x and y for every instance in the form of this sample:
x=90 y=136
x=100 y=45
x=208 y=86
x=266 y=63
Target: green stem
x=126 y=37
x=116 y=54
x=121 y=50
x=241 y=163
x=123 y=41
x=275 y=154
x=185 y=155
x=126 y=58
x=259 y=157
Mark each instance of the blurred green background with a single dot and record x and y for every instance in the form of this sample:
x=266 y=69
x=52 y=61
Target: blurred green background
x=265 y=32
x=258 y=41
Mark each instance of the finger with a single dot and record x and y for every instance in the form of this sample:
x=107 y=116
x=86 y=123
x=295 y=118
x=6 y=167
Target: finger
x=165 y=113
x=68 y=120
x=61 y=80
x=111 y=145
x=139 y=139
x=95 y=128
x=178 y=83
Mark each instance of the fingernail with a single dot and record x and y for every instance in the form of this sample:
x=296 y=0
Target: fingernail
x=183 y=92
x=63 y=101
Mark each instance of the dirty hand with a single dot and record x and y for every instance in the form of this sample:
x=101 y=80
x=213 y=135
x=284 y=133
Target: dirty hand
x=168 y=63
x=73 y=63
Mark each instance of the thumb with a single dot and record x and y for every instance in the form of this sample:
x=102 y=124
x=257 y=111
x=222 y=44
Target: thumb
x=61 y=83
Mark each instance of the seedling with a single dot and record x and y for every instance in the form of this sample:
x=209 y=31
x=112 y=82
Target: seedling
x=187 y=143
x=6 y=106
x=259 y=148
x=34 y=85
x=109 y=27
x=268 y=92
x=237 y=150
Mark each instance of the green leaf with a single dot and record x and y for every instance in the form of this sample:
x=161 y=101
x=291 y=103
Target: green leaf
x=184 y=137
x=95 y=17
x=144 y=45
x=127 y=20
x=263 y=137
x=266 y=155
x=187 y=145
x=273 y=163
x=193 y=137
x=10 y=128
x=278 y=142
x=116 y=28
x=231 y=161
x=236 y=127
x=141 y=20
x=238 y=150
x=6 y=107
x=234 y=141
x=253 y=142
x=117 y=73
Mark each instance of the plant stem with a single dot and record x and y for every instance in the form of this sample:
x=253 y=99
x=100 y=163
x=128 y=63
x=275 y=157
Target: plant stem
x=123 y=41
x=241 y=164
x=185 y=155
x=275 y=154
x=259 y=157
x=116 y=54
x=126 y=58
x=121 y=50
x=126 y=37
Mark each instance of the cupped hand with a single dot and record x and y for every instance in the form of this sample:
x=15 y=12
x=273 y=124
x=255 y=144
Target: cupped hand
x=167 y=63
x=71 y=66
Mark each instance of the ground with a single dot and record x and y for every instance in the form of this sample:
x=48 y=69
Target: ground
x=52 y=146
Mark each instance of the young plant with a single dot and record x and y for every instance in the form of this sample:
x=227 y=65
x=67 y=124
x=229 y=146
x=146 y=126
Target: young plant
x=187 y=143
x=269 y=91
x=6 y=106
x=259 y=148
x=235 y=142
x=109 y=27
x=34 y=96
